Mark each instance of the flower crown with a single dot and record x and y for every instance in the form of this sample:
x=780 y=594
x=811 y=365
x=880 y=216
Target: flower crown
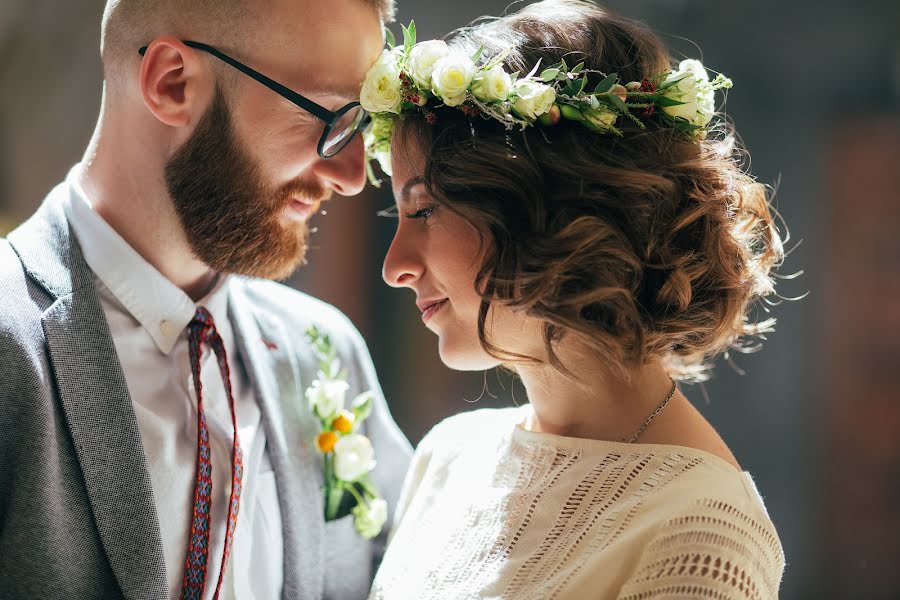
x=425 y=75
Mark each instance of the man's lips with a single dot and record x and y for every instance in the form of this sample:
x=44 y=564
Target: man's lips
x=302 y=208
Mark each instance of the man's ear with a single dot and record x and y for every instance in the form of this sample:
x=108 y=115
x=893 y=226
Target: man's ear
x=174 y=81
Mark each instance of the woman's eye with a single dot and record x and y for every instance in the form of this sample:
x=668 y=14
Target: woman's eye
x=422 y=213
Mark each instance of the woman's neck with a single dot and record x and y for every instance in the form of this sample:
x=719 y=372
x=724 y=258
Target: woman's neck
x=596 y=406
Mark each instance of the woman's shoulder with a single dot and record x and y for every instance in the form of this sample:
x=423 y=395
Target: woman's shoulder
x=480 y=424
x=719 y=538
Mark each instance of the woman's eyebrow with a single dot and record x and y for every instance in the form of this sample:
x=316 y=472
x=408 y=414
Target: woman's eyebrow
x=409 y=185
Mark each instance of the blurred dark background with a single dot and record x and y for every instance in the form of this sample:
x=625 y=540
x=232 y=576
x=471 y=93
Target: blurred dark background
x=816 y=417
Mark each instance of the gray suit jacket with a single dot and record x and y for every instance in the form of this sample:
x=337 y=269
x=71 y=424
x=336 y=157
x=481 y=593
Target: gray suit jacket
x=77 y=514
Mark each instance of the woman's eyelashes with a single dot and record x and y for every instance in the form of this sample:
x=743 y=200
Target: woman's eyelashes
x=393 y=212
x=422 y=213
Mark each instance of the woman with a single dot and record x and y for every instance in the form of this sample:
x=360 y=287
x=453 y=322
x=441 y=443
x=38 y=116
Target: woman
x=583 y=224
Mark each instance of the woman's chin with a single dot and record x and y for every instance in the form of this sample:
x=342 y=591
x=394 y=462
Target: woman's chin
x=465 y=358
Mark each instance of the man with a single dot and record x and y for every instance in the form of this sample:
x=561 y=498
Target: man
x=154 y=437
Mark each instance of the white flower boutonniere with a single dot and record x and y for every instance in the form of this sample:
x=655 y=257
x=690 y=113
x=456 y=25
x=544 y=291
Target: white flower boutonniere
x=348 y=457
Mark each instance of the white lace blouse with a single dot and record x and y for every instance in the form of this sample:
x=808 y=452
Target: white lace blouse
x=490 y=510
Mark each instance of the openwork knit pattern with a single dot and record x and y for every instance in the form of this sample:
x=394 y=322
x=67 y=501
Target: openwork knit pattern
x=492 y=511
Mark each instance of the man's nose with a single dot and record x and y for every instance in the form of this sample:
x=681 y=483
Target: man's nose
x=345 y=172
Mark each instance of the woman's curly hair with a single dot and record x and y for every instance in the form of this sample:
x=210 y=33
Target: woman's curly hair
x=648 y=247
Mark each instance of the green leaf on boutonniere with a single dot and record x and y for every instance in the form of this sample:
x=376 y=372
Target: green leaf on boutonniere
x=389 y=38
x=362 y=406
x=366 y=484
x=477 y=54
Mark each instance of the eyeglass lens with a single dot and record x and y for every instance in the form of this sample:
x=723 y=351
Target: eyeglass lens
x=342 y=131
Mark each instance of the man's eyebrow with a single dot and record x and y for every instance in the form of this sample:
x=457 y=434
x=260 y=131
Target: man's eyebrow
x=409 y=185
x=346 y=94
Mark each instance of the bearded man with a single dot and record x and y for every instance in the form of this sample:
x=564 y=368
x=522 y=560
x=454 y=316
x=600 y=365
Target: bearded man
x=154 y=437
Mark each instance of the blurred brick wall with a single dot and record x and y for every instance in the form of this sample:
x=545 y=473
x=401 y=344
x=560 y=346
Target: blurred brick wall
x=861 y=319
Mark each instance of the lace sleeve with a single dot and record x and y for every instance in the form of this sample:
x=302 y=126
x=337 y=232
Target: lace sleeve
x=713 y=550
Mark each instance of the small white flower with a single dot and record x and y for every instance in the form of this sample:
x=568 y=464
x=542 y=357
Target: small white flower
x=353 y=457
x=694 y=90
x=452 y=76
x=326 y=398
x=377 y=140
x=370 y=519
x=491 y=85
x=534 y=98
x=422 y=58
x=381 y=88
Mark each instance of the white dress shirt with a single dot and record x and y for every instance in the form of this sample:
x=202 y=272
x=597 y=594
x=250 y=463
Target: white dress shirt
x=148 y=317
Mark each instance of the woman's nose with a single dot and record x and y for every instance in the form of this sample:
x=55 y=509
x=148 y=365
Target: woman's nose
x=402 y=265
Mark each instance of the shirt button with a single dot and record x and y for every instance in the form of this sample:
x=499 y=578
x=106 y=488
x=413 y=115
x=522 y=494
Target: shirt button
x=167 y=328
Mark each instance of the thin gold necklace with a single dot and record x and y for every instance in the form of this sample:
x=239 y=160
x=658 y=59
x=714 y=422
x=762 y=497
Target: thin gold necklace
x=661 y=406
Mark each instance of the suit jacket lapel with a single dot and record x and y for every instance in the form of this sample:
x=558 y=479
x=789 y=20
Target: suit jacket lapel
x=271 y=364
x=95 y=401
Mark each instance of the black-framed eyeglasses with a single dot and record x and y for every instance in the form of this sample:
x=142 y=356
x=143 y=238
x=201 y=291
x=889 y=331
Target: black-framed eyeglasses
x=340 y=125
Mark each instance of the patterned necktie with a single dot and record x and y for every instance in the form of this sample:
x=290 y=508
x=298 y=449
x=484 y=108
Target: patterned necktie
x=202 y=330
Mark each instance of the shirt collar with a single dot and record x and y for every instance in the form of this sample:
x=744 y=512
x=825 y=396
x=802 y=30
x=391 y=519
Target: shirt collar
x=161 y=307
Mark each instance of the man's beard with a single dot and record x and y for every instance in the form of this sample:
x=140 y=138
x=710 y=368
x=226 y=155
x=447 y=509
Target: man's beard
x=231 y=216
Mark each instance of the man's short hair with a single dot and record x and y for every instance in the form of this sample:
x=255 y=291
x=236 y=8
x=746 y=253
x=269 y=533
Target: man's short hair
x=129 y=24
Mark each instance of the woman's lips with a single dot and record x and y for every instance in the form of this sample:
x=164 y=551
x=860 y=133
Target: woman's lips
x=429 y=310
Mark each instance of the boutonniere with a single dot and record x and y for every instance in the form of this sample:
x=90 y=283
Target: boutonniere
x=348 y=457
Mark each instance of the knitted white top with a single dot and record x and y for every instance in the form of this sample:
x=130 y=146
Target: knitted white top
x=490 y=510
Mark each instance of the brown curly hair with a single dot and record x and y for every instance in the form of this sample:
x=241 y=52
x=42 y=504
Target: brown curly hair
x=648 y=247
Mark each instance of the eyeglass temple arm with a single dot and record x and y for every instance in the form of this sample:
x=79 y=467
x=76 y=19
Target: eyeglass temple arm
x=311 y=107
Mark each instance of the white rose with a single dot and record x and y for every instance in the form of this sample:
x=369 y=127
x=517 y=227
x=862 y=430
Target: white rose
x=534 y=98
x=381 y=88
x=452 y=76
x=694 y=90
x=353 y=457
x=370 y=519
x=327 y=398
x=422 y=58
x=494 y=84
x=455 y=100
